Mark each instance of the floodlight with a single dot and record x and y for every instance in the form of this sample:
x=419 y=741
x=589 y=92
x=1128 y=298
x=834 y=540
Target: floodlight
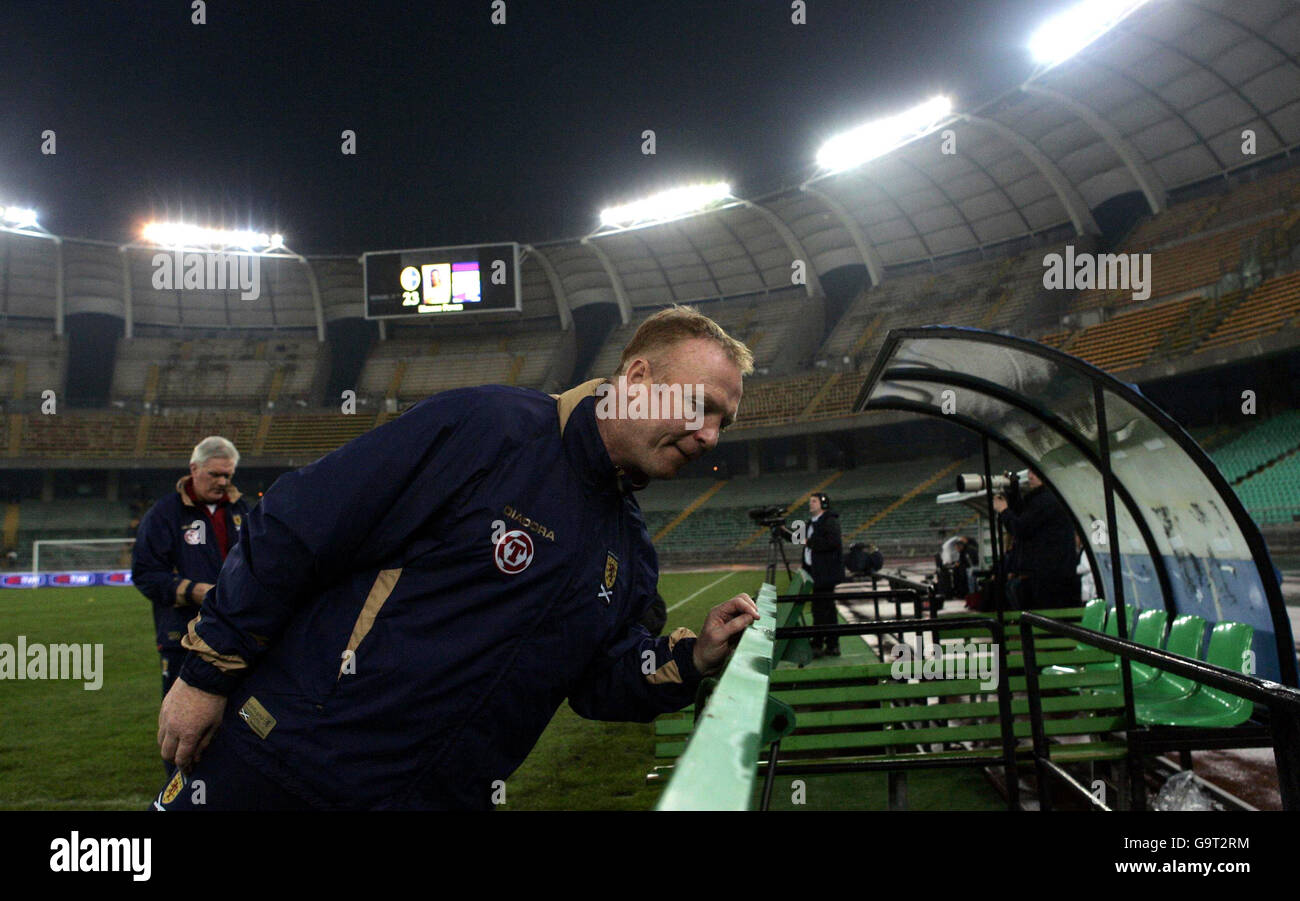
x=18 y=217
x=178 y=234
x=1062 y=37
x=665 y=205
x=875 y=139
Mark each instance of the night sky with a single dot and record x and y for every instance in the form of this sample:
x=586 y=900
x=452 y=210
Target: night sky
x=466 y=132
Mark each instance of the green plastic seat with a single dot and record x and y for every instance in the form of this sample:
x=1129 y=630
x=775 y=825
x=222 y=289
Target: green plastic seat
x=1149 y=631
x=1112 y=629
x=1209 y=707
x=1185 y=636
x=1094 y=616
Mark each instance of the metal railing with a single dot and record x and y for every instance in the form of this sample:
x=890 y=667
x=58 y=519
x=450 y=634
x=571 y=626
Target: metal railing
x=717 y=771
x=1283 y=704
x=1007 y=757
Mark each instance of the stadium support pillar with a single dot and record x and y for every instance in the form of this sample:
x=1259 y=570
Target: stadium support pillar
x=812 y=452
x=317 y=308
x=557 y=287
x=1066 y=192
x=616 y=283
x=1143 y=174
x=58 y=287
x=870 y=256
x=812 y=284
x=752 y=448
x=128 y=308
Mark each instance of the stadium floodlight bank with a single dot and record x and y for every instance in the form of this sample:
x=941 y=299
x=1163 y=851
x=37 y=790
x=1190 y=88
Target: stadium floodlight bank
x=666 y=206
x=719 y=767
x=180 y=234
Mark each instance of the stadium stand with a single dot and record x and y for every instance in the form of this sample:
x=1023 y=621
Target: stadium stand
x=1269 y=308
x=413 y=368
x=248 y=372
x=32 y=360
x=764 y=322
x=1259 y=445
x=1127 y=340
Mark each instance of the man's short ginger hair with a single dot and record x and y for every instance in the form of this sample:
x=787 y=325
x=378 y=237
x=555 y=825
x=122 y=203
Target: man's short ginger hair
x=677 y=323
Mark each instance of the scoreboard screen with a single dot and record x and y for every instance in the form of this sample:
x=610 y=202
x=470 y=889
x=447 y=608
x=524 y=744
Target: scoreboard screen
x=440 y=281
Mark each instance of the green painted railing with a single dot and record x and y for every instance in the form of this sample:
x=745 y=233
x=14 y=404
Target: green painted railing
x=719 y=767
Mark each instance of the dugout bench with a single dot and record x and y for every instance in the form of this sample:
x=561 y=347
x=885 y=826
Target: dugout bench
x=1059 y=699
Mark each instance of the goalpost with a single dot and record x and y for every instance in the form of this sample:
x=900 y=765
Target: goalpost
x=81 y=554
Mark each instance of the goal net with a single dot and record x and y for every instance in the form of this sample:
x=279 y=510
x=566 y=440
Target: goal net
x=81 y=555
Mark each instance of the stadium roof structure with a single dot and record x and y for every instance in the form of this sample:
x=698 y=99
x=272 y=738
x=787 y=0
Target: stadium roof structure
x=1156 y=104
x=1185 y=541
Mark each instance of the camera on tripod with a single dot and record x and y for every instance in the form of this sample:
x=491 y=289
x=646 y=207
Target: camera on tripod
x=770 y=516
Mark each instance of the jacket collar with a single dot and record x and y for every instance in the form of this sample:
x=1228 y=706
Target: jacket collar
x=582 y=442
x=232 y=493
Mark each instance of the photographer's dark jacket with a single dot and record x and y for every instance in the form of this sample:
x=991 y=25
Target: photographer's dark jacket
x=1044 y=538
x=176 y=547
x=400 y=619
x=827 y=550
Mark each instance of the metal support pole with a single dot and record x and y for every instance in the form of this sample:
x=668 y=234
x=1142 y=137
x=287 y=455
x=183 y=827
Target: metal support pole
x=1286 y=754
x=1136 y=777
x=995 y=532
x=1041 y=752
x=1008 y=721
x=769 y=781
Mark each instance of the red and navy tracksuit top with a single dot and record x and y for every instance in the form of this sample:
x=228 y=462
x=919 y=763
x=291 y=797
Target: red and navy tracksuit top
x=177 y=545
x=400 y=620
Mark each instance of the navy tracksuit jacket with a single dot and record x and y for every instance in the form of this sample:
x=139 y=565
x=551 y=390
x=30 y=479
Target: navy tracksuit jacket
x=401 y=618
x=174 y=549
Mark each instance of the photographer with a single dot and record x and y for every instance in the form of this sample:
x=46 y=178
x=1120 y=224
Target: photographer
x=1043 y=570
x=955 y=566
x=823 y=559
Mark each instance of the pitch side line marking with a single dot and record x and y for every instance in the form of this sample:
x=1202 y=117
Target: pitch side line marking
x=701 y=591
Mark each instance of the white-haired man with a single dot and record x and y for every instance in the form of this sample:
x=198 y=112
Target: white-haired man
x=182 y=542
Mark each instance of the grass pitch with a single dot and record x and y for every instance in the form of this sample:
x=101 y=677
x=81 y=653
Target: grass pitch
x=65 y=748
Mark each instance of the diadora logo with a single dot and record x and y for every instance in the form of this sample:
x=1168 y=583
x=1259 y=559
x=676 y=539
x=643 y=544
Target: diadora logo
x=529 y=523
x=513 y=552
x=196 y=532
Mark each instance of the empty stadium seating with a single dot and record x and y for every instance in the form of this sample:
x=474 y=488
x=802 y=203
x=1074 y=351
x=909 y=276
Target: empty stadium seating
x=1269 y=307
x=413 y=367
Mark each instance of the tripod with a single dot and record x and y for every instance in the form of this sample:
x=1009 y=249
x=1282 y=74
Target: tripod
x=775 y=551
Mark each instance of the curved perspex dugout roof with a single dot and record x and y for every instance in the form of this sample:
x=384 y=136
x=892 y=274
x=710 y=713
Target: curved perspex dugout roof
x=1186 y=542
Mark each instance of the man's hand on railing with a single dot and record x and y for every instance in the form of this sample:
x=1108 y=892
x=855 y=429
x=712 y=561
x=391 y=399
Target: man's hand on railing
x=721 y=633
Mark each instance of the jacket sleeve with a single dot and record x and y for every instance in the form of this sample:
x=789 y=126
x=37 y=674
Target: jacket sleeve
x=639 y=678
x=349 y=510
x=1032 y=517
x=153 y=562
